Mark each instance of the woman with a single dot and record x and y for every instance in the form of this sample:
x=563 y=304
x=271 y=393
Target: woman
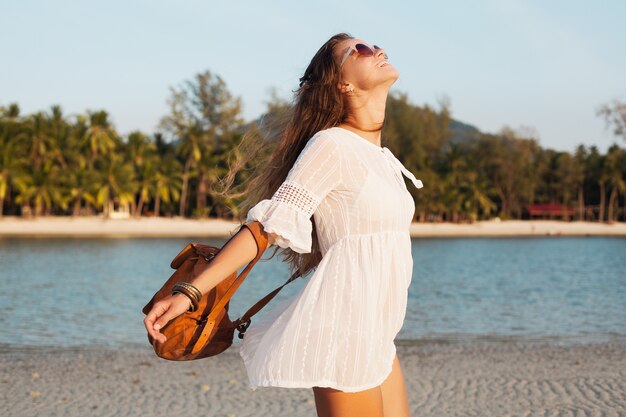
x=335 y=201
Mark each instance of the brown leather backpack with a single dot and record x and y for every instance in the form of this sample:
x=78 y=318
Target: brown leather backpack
x=207 y=331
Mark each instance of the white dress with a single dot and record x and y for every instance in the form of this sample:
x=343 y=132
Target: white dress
x=338 y=331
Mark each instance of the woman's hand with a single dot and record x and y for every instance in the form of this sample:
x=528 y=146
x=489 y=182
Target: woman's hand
x=163 y=311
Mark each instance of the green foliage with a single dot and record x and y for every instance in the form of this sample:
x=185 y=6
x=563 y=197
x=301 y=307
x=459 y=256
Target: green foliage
x=51 y=164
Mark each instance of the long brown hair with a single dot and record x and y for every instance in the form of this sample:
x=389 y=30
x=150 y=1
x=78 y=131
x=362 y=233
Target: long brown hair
x=274 y=146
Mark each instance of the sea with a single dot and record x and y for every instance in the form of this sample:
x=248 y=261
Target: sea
x=82 y=293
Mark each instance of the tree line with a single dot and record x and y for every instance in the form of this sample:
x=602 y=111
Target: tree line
x=55 y=164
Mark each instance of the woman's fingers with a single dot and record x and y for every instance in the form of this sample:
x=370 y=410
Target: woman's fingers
x=164 y=311
x=153 y=316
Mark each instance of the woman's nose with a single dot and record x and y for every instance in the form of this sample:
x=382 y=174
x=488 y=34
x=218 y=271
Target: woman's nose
x=381 y=51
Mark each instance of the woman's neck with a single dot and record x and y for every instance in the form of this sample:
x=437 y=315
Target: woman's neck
x=367 y=117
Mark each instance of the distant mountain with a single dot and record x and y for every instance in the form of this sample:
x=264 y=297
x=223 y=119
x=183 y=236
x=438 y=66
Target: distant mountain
x=462 y=132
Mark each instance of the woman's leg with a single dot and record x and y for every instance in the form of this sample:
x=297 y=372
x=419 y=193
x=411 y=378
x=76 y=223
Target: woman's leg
x=395 y=401
x=330 y=402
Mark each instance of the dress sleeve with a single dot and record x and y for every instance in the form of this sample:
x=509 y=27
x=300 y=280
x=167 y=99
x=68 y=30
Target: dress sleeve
x=287 y=215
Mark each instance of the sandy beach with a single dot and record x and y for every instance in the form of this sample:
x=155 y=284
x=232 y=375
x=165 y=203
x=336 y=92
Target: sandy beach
x=499 y=379
x=507 y=379
x=11 y=226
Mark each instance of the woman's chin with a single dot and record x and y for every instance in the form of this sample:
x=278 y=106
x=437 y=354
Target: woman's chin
x=390 y=71
x=386 y=77
x=392 y=74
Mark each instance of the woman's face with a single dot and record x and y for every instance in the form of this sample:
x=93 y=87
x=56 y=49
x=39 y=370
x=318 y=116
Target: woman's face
x=365 y=72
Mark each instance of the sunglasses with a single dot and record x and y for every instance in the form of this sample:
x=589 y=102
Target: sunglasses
x=362 y=50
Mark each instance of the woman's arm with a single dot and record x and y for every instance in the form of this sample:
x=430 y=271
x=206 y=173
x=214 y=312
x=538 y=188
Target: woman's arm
x=239 y=251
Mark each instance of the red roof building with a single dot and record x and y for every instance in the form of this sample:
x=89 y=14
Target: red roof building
x=549 y=210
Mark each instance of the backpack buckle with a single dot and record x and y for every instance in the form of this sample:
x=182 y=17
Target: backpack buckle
x=243 y=326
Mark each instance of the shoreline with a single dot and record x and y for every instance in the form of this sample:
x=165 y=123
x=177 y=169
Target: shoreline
x=480 y=380
x=426 y=343
x=155 y=227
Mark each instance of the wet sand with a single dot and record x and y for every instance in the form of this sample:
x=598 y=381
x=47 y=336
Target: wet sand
x=11 y=226
x=498 y=379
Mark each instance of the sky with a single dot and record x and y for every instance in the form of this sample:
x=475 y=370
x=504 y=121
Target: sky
x=535 y=66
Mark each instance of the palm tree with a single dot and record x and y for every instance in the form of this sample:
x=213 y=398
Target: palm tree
x=13 y=162
x=455 y=181
x=117 y=181
x=580 y=157
x=42 y=143
x=604 y=177
x=146 y=177
x=615 y=162
x=100 y=137
x=10 y=165
x=80 y=177
x=167 y=182
x=614 y=116
x=81 y=181
x=568 y=177
x=478 y=196
x=61 y=132
x=203 y=113
x=142 y=153
x=190 y=148
x=429 y=198
x=42 y=189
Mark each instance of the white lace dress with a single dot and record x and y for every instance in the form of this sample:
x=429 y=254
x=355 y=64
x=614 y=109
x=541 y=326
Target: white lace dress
x=338 y=331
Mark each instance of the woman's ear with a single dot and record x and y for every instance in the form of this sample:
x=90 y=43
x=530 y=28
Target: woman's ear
x=345 y=87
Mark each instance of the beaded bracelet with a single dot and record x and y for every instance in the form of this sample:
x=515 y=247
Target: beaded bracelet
x=193 y=289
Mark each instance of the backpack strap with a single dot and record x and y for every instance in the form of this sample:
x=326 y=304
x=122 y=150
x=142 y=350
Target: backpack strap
x=260 y=237
x=244 y=321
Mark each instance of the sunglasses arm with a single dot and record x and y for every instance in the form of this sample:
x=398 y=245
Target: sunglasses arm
x=346 y=55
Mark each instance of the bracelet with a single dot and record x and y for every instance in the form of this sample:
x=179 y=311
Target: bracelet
x=190 y=294
x=190 y=291
x=192 y=288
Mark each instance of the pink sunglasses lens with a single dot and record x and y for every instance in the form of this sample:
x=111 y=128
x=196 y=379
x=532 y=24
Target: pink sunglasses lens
x=363 y=50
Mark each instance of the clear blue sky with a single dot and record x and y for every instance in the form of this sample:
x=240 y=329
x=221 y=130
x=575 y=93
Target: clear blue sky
x=546 y=65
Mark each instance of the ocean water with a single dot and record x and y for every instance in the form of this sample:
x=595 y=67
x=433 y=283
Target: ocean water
x=82 y=293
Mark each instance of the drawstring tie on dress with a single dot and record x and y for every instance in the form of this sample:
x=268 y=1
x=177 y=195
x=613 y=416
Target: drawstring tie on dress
x=392 y=158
